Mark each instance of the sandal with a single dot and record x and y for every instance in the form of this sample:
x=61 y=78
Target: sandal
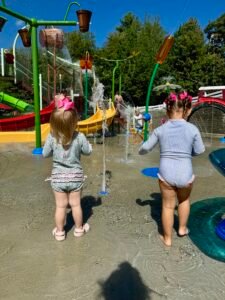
x=59 y=235
x=78 y=232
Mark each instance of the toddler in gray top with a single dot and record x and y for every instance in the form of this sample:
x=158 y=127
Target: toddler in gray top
x=66 y=145
x=178 y=141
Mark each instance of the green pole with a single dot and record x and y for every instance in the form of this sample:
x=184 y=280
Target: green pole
x=86 y=94
x=120 y=83
x=113 y=80
x=35 y=67
x=148 y=99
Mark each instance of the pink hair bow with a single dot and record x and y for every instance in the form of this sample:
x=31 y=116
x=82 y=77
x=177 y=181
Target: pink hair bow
x=66 y=104
x=173 y=97
x=183 y=95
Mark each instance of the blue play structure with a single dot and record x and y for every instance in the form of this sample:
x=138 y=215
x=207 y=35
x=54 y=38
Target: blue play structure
x=217 y=158
x=205 y=218
x=206 y=221
x=220 y=229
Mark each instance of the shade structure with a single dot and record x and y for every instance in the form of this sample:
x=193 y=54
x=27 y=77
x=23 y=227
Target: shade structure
x=84 y=17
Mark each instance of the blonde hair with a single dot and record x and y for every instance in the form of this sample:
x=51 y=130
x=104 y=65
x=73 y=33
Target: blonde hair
x=63 y=124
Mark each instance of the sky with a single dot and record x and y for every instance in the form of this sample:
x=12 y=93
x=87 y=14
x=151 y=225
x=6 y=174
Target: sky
x=107 y=14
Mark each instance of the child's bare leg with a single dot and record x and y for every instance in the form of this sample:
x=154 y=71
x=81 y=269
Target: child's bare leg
x=61 y=200
x=168 y=205
x=183 y=195
x=74 y=201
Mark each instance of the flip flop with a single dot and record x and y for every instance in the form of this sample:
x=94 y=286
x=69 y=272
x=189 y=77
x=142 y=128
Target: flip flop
x=78 y=232
x=183 y=235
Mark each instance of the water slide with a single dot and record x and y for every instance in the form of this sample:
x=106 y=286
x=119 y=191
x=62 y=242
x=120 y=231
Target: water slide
x=25 y=121
x=15 y=103
x=94 y=123
x=90 y=125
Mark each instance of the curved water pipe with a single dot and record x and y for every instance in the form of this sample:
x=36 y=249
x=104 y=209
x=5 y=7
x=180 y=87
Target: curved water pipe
x=114 y=71
x=161 y=56
x=113 y=80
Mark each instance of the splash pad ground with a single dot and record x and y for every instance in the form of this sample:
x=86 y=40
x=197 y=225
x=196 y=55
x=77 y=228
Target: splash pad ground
x=121 y=255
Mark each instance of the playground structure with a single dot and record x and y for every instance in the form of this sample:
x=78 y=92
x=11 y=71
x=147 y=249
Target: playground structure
x=90 y=125
x=33 y=27
x=208 y=112
x=210 y=99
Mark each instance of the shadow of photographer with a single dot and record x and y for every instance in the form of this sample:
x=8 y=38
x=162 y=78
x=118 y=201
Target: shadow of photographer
x=125 y=283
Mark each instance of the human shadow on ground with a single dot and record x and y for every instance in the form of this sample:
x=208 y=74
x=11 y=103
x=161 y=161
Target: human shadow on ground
x=87 y=203
x=125 y=283
x=155 y=204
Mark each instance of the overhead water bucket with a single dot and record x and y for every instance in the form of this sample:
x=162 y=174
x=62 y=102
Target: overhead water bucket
x=84 y=17
x=25 y=37
x=51 y=37
x=2 y=22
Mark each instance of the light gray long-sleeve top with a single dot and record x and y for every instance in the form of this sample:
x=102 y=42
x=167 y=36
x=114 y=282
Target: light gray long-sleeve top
x=66 y=160
x=178 y=140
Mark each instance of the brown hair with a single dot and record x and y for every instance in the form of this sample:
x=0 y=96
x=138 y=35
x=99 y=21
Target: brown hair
x=175 y=102
x=63 y=123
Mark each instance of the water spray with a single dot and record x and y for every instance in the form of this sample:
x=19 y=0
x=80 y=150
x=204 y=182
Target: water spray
x=104 y=129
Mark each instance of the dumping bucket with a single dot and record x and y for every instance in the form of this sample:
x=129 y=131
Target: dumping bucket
x=25 y=37
x=51 y=37
x=84 y=17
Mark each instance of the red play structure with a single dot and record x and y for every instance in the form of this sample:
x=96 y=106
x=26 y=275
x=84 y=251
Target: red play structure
x=27 y=120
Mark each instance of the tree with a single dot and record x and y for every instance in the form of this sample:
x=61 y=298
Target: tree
x=184 y=60
x=78 y=43
x=215 y=32
x=135 y=46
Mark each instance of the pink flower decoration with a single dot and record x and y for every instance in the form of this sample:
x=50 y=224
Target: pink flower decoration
x=66 y=104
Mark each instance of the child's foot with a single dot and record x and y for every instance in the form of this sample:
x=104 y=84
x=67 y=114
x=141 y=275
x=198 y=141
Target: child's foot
x=78 y=232
x=166 y=243
x=182 y=233
x=59 y=235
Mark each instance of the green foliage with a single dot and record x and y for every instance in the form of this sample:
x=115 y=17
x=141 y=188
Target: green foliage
x=79 y=43
x=183 y=61
x=215 y=32
x=135 y=46
x=190 y=62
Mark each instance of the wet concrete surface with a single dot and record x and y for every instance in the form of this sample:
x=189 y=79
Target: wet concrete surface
x=121 y=258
